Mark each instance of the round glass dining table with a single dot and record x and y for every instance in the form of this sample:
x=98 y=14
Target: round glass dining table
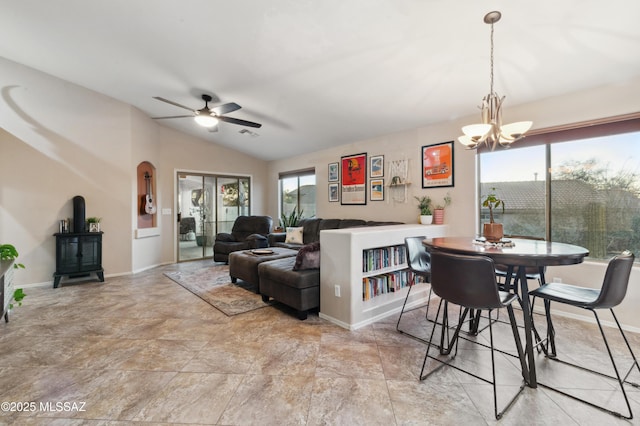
x=518 y=255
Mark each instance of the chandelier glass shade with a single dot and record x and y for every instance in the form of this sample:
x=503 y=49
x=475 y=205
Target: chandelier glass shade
x=491 y=132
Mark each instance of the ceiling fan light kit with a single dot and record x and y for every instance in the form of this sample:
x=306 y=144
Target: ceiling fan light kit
x=491 y=132
x=205 y=119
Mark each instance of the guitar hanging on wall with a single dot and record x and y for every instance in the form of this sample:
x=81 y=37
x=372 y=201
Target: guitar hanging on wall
x=148 y=207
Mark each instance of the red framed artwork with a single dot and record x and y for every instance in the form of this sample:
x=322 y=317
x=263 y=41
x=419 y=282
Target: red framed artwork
x=437 y=165
x=353 y=174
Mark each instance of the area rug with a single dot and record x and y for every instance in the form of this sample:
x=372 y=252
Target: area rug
x=213 y=285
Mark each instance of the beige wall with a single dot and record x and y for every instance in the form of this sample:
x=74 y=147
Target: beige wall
x=59 y=140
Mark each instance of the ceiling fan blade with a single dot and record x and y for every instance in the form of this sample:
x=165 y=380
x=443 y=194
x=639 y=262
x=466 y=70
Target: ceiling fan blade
x=172 y=116
x=239 y=122
x=225 y=108
x=172 y=103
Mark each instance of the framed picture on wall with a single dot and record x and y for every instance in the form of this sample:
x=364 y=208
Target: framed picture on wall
x=333 y=192
x=437 y=165
x=334 y=170
x=353 y=175
x=376 y=189
x=376 y=166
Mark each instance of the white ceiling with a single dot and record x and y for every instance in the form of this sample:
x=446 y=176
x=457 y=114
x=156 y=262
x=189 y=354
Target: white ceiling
x=323 y=73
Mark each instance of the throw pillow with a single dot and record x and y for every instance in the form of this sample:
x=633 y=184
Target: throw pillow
x=308 y=257
x=294 y=235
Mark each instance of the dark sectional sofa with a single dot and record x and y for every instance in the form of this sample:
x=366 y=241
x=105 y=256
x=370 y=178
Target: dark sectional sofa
x=300 y=289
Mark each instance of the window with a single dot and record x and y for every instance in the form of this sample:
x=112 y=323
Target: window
x=298 y=191
x=579 y=186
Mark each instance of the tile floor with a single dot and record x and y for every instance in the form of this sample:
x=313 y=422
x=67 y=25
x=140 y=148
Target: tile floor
x=143 y=350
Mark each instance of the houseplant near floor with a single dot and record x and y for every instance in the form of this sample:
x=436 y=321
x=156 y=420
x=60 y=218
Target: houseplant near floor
x=492 y=231
x=438 y=211
x=8 y=253
x=424 y=205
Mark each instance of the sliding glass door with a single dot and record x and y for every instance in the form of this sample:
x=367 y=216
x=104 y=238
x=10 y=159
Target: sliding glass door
x=207 y=205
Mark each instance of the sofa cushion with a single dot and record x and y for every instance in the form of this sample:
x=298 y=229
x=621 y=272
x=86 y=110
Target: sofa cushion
x=294 y=235
x=311 y=230
x=244 y=226
x=329 y=224
x=308 y=257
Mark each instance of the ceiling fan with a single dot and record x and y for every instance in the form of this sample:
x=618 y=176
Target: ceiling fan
x=209 y=117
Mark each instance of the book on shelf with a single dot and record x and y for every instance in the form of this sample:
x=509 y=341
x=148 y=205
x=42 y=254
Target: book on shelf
x=389 y=282
x=383 y=257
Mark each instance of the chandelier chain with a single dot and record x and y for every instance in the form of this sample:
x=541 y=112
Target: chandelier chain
x=491 y=93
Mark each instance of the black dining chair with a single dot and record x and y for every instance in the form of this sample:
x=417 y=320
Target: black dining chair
x=611 y=294
x=419 y=264
x=470 y=282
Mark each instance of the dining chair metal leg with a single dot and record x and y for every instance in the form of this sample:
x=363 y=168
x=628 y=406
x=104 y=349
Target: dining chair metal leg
x=452 y=346
x=430 y=341
x=516 y=337
x=546 y=345
x=621 y=379
x=404 y=310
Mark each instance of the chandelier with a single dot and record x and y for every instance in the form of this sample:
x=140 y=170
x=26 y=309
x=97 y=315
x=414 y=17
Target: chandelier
x=491 y=131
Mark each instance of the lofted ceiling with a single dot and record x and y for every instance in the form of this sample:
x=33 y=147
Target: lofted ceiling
x=322 y=73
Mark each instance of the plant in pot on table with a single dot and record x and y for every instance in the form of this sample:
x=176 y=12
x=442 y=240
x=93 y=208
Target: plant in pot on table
x=438 y=211
x=492 y=231
x=93 y=224
x=424 y=205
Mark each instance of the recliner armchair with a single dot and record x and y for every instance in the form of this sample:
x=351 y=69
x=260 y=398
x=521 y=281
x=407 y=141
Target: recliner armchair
x=187 y=224
x=248 y=232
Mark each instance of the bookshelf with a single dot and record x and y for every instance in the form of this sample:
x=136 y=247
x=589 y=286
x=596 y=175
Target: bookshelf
x=354 y=259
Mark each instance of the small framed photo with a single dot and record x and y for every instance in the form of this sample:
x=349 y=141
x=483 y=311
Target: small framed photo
x=94 y=227
x=376 y=189
x=376 y=166
x=334 y=169
x=333 y=192
x=437 y=165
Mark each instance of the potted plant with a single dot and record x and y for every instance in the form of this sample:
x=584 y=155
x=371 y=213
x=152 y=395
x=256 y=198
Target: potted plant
x=492 y=231
x=93 y=224
x=424 y=205
x=8 y=253
x=438 y=211
x=287 y=221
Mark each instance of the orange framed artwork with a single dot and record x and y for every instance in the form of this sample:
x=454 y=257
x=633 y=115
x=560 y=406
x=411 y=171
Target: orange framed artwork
x=437 y=165
x=353 y=174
